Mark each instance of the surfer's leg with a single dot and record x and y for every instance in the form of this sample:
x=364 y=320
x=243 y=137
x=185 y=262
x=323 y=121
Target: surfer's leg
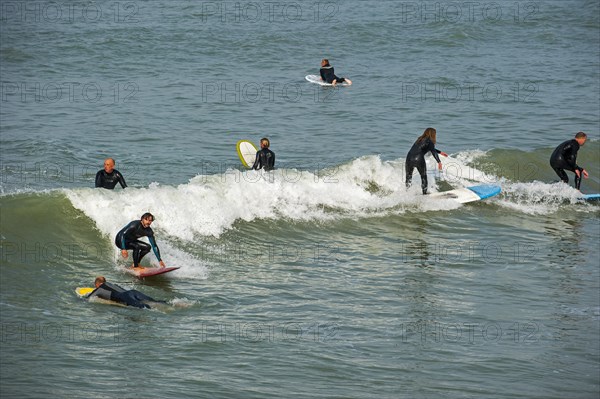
x=422 y=168
x=140 y=296
x=409 y=167
x=561 y=173
x=140 y=249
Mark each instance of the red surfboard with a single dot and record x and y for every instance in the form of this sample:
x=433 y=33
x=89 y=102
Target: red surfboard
x=150 y=271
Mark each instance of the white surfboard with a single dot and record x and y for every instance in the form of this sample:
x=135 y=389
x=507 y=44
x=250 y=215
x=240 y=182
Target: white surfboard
x=247 y=152
x=468 y=194
x=317 y=79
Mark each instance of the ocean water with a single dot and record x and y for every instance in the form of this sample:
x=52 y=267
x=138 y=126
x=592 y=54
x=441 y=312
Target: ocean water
x=325 y=277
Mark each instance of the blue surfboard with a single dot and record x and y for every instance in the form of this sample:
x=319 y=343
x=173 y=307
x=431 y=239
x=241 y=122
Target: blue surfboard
x=591 y=197
x=469 y=194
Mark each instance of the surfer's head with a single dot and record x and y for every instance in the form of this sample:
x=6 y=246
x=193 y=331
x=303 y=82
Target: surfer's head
x=581 y=138
x=324 y=62
x=264 y=143
x=109 y=165
x=99 y=281
x=147 y=219
x=429 y=133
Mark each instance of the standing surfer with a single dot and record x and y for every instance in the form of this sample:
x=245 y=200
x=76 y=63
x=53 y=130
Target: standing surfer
x=565 y=157
x=416 y=157
x=127 y=238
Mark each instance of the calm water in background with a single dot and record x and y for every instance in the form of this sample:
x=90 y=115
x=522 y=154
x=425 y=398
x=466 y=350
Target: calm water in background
x=325 y=278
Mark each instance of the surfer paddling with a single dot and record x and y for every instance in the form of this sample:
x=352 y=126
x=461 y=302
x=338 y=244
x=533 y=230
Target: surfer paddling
x=265 y=158
x=127 y=238
x=109 y=176
x=328 y=74
x=564 y=158
x=113 y=292
x=416 y=157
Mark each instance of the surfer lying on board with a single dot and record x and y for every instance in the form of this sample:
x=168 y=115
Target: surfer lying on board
x=328 y=75
x=265 y=158
x=127 y=238
x=416 y=157
x=113 y=292
x=565 y=157
x=109 y=176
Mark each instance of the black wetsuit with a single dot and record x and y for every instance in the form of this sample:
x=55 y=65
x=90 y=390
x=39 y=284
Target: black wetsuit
x=416 y=159
x=265 y=158
x=328 y=75
x=109 y=180
x=113 y=292
x=127 y=238
x=565 y=157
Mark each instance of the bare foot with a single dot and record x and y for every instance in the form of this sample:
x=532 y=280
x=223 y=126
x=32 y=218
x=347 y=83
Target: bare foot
x=349 y=82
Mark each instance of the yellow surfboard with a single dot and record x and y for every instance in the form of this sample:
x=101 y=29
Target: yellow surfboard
x=84 y=291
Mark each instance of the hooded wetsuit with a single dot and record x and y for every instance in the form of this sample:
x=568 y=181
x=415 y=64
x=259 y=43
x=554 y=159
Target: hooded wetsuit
x=109 y=180
x=328 y=75
x=565 y=157
x=127 y=238
x=113 y=292
x=416 y=159
x=265 y=158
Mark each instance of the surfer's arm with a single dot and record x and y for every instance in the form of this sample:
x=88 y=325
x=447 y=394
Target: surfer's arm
x=121 y=180
x=155 y=248
x=256 y=161
x=99 y=179
x=435 y=153
x=126 y=231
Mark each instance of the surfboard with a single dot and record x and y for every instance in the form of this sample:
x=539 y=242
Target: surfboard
x=247 y=152
x=317 y=79
x=142 y=272
x=469 y=194
x=591 y=197
x=84 y=291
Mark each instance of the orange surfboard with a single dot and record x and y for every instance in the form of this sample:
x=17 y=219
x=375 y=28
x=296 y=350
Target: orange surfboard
x=150 y=271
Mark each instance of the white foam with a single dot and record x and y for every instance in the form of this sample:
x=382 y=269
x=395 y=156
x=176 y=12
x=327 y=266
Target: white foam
x=209 y=205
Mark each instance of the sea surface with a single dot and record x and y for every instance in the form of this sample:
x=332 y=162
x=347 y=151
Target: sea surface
x=326 y=278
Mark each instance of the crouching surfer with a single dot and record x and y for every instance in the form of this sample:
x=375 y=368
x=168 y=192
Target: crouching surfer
x=113 y=292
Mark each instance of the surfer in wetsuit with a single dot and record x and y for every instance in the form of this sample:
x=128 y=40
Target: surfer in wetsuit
x=265 y=158
x=565 y=157
x=109 y=176
x=127 y=238
x=416 y=157
x=328 y=75
x=113 y=292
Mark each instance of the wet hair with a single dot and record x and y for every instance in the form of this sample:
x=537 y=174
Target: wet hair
x=324 y=62
x=266 y=141
x=147 y=215
x=581 y=135
x=429 y=133
x=99 y=280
